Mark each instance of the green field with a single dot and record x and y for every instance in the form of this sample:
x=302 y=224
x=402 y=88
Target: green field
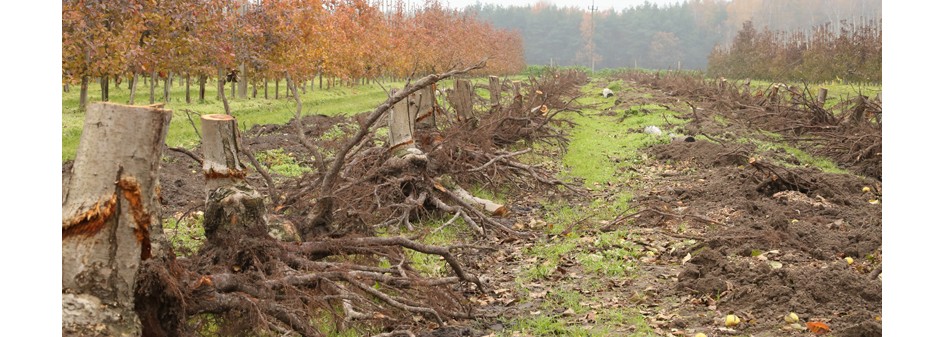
x=249 y=111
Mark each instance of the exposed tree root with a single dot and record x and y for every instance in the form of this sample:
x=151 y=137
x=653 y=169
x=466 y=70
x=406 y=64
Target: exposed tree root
x=251 y=282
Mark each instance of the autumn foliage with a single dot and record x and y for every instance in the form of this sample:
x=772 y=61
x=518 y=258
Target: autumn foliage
x=849 y=52
x=346 y=39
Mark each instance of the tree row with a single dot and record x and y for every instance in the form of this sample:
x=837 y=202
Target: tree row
x=255 y=41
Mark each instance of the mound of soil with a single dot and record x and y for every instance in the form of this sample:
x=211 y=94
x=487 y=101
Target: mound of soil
x=767 y=250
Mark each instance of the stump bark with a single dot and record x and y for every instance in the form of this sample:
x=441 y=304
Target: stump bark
x=401 y=128
x=495 y=91
x=235 y=210
x=461 y=99
x=111 y=217
x=822 y=97
x=426 y=108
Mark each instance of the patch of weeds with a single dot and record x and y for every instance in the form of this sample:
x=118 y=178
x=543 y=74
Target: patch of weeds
x=543 y=325
x=560 y=215
x=821 y=163
x=282 y=163
x=603 y=148
x=608 y=262
x=720 y=120
x=206 y=325
x=187 y=236
x=325 y=322
x=626 y=317
x=336 y=131
x=429 y=264
x=616 y=86
x=547 y=256
x=805 y=159
x=565 y=299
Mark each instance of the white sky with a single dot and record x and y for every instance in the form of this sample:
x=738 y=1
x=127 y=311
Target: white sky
x=600 y=4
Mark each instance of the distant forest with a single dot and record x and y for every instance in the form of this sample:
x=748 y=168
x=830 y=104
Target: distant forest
x=661 y=37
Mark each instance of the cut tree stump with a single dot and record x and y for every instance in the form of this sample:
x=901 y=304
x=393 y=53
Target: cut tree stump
x=517 y=99
x=461 y=100
x=822 y=97
x=221 y=164
x=234 y=208
x=426 y=108
x=111 y=217
x=495 y=92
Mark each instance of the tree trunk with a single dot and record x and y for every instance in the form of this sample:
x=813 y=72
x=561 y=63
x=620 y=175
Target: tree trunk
x=277 y=88
x=495 y=92
x=254 y=88
x=65 y=87
x=320 y=80
x=84 y=93
x=461 y=99
x=104 y=81
x=167 y=88
x=233 y=89
x=203 y=87
x=221 y=90
x=111 y=218
x=133 y=85
x=187 y=89
x=266 y=90
x=153 y=79
x=243 y=79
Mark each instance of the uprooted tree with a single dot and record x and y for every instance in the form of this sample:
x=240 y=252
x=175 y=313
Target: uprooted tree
x=266 y=269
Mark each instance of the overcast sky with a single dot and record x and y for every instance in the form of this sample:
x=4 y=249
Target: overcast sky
x=600 y=4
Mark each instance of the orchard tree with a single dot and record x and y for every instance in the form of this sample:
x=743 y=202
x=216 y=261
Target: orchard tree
x=96 y=40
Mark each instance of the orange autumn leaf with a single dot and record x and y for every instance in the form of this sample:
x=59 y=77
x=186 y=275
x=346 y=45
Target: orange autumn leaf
x=818 y=328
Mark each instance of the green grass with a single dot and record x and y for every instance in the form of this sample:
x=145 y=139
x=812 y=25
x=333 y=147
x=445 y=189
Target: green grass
x=282 y=163
x=187 y=235
x=602 y=145
x=837 y=91
x=249 y=111
x=805 y=159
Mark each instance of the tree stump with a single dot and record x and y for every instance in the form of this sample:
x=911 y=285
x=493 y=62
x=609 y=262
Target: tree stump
x=822 y=97
x=401 y=128
x=111 y=217
x=495 y=92
x=517 y=98
x=461 y=99
x=235 y=210
x=403 y=149
x=426 y=108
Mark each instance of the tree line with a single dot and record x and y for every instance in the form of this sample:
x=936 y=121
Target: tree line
x=256 y=41
x=854 y=52
x=658 y=37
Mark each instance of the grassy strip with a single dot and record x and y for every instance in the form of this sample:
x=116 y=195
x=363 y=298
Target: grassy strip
x=249 y=111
